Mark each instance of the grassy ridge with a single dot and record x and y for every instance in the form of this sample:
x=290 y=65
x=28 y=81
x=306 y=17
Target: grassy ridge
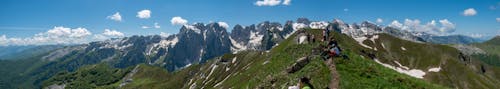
x=267 y=69
x=361 y=73
x=92 y=76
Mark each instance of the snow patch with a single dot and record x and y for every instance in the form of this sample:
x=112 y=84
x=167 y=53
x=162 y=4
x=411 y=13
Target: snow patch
x=403 y=69
x=255 y=39
x=360 y=42
x=236 y=47
x=166 y=43
x=318 y=25
x=162 y=44
x=218 y=84
x=212 y=71
x=383 y=46
x=227 y=69
x=191 y=27
x=186 y=66
x=234 y=60
x=436 y=69
x=265 y=62
x=302 y=39
x=296 y=26
x=205 y=35
x=399 y=64
x=374 y=37
x=201 y=55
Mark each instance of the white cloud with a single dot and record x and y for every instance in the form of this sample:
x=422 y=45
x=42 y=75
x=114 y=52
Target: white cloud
x=447 y=26
x=396 y=24
x=3 y=40
x=108 y=34
x=178 y=21
x=469 y=12
x=223 y=24
x=287 y=2
x=156 y=25
x=163 y=34
x=68 y=32
x=444 y=27
x=145 y=27
x=113 y=33
x=144 y=14
x=56 y=35
x=379 y=20
x=498 y=19
x=269 y=2
x=115 y=17
x=345 y=9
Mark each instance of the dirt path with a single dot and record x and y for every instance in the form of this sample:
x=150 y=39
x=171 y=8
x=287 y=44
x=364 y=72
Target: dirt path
x=334 y=83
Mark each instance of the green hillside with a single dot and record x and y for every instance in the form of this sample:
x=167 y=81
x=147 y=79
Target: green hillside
x=275 y=68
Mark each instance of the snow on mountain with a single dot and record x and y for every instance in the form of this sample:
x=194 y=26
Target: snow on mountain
x=255 y=39
x=318 y=25
x=167 y=43
x=237 y=46
x=193 y=28
x=403 y=69
x=164 y=43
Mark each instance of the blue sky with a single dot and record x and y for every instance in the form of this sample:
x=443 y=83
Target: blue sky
x=25 y=18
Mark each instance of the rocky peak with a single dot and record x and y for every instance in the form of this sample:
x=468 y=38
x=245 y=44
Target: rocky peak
x=303 y=20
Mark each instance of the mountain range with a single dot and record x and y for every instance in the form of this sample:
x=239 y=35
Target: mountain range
x=191 y=56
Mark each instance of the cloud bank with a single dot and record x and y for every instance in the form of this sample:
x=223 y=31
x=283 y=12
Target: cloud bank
x=441 y=27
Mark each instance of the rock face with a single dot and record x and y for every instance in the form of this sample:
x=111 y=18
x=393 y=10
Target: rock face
x=198 y=43
x=262 y=36
x=469 y=50
x=258 y=37
x=193 y=44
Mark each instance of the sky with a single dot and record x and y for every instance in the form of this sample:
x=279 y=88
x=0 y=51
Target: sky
x=25 y=22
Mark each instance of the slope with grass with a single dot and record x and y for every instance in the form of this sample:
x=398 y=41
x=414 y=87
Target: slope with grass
x=272 y=69
x=440 y=64
x=491 y=57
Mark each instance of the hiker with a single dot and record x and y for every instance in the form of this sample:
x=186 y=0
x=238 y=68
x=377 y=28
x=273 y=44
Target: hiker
x=334 y=49
x=305 y=83
x=308 y=37
x=325 y=34
x=313 y=39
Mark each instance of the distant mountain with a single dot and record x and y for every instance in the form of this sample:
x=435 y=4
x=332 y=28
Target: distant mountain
x=21 y=52
x=367 y=28
x=493 y=41
x=451 y=39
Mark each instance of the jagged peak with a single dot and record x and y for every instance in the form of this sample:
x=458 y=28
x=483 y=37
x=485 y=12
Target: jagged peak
x=303 y=20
